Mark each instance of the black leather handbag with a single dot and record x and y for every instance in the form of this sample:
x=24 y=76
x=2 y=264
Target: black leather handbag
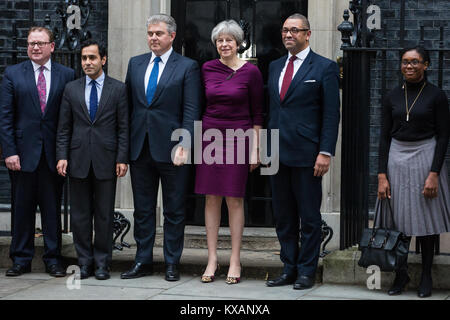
x=385 y=248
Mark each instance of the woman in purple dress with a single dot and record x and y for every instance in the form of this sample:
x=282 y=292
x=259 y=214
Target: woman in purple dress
x=234 y=100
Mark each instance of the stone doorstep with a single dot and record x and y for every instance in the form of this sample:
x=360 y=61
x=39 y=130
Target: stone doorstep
x=341 y=267
x=256 y=264
x=256 y=239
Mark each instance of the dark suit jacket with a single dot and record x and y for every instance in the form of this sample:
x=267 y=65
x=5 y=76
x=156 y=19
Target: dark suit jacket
x=176 y=104
x=308 y=117
x=24 y=130
x=103 y=142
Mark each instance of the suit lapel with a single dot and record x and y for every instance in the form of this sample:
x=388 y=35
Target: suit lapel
x=275 y=79
x=32 y=88
x=141 y=69
x=166 y=75
x=81 y=88
x=106 y=92
x=54 y=74
x=300 y=75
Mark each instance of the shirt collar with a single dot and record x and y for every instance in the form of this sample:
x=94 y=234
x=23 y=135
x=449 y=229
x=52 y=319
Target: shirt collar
x=164 y=57
x=47 y=65
x=302 y=54
x=99 y=80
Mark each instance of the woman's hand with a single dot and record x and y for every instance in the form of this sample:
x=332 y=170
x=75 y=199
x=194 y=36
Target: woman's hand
x=384 y=189
x=430 y=189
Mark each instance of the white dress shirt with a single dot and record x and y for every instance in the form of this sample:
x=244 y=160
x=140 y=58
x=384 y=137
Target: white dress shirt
x=301 y=56
x=87 y=90
x=47 y=75
x=162 y=64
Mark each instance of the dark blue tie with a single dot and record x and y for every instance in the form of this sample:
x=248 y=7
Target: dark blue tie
x=93 y=101
x=153 y=80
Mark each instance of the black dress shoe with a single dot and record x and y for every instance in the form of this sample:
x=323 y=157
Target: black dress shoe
x=102 y=273
x=303 y=282
x=426 y=286
x=55 y=270
x=86 y=271
x=400 y=282
x=282 y=280
x=17 y=270
x=172 y=273
x=137 y=270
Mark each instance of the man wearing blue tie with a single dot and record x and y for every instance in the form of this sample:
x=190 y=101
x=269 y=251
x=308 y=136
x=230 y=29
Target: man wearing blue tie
x=164 y=91
x=92 y=147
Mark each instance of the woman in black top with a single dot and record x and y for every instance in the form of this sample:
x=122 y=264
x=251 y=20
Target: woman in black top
x=412 y=173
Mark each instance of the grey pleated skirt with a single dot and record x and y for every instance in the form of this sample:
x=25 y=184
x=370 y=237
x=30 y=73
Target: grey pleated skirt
x=408 y=167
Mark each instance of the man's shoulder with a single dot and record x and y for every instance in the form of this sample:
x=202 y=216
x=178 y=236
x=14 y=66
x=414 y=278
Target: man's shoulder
x=183 y=59
x=321 y=59
x=18 y=67
x=140 y=57
x=115 y=82
x=74 y=83
x=62 y=68
x=279 y=60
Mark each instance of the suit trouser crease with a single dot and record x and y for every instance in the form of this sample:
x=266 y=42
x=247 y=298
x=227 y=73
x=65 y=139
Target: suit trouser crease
x=92 y=209
x=297 y=196
x=44 y=188
x=145 y=176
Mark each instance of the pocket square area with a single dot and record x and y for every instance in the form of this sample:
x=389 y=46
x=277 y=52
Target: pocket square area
x=310 y=80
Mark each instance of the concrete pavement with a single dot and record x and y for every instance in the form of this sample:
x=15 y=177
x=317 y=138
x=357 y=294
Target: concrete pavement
x=41 y=286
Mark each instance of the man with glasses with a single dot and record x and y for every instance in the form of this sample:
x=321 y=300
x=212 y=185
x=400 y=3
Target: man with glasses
x=304 y=107
x=30 y=97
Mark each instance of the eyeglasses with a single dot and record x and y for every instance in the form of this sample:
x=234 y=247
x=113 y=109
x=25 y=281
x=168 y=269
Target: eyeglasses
x=414 y=63
x=40 y=44
x=293 y=30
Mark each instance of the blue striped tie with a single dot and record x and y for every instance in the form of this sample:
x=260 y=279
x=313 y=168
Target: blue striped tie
x=153 y=80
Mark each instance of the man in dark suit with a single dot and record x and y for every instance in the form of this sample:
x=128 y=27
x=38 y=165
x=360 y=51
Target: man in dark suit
x=92 y=146
x=304 y=107
x=29 y=108
x=164 y=91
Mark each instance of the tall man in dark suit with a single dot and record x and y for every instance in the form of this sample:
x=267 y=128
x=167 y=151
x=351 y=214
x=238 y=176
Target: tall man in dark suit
x=164 y=91
x=304 y=106
x=92 y=146
x=29 y=108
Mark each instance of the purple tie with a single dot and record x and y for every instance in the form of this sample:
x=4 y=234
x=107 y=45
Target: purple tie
x=41 y=86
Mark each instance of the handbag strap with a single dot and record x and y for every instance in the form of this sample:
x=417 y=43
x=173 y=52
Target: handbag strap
x=379 y=212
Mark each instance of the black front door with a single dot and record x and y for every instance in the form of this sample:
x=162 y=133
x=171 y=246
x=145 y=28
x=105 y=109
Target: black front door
x=263 y=20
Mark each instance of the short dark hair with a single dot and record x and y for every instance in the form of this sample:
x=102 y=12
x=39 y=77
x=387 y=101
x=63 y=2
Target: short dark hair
x=420 y=50
x=51 y=37
x=92 y=42
x=298 y=16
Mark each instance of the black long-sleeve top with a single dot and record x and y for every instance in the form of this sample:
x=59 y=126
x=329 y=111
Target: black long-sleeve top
x=429 y=117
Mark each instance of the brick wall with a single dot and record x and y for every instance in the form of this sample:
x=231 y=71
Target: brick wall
x=19 y=11
x=429 y=13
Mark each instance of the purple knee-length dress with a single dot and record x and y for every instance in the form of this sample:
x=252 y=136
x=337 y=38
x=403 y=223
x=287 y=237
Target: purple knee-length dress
x=234 y=100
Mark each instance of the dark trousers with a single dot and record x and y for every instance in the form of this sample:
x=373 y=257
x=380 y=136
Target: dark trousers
x=296 y=198
x=92 y=209
x=145 y=176
x=29 y=189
